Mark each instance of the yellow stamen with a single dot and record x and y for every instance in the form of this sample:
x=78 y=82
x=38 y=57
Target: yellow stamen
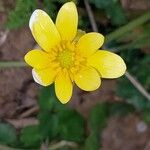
x=66 y=58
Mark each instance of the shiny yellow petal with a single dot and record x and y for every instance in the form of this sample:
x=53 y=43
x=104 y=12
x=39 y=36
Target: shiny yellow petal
x=87 y=79
x=108 y=64
x=37 y=59
x=63 y=87
x=67 y=21
x=44 y=77
x=89 y=43
x=44 y=30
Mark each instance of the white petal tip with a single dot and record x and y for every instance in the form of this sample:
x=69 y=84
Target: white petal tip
x=36 y=77
x=34 y=16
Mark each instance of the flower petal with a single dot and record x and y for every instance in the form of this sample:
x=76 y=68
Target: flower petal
x=44 y=30
x=63 y=87
x=37 y=59
x=36 y=77
x=108 y=64
x=89 y=43
x=87 y=79
x=67 y=21
x=44 y=77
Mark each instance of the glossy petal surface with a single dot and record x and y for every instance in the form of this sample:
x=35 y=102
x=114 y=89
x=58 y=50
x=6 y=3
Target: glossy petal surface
x=88 y=79
x=89 y=43
x=37 y=59
x=108 y=64
x=44 y=30
x=63 y=87
x=67 y=21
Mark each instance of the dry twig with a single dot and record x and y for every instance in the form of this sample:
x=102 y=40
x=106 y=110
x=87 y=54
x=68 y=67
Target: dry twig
x=21 y=123
x=30 y=111
x=3 y=37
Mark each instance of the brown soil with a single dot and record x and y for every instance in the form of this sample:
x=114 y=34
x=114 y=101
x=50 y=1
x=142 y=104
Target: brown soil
x=127 y=133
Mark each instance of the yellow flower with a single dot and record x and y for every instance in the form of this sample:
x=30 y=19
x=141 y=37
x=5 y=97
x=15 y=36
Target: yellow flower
x=69 y=56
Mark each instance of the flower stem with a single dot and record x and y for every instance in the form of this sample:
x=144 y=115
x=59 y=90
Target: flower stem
x=128 y=27
x=8 y=64
x=137 y=85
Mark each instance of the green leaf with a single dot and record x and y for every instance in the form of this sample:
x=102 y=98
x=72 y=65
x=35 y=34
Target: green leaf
x=113 y=10
x=65 y=1
x=30 y=136
x=139 y=40
x=71 y=125
x=97 y=121
x=146 y=115
x=56 y=119
x=143 y=74
x=120 y=109
x=7 y=134
x=136 y=62
x=48 y=100
x=116 y=13
x=21 y=13
x=101 y=3
x=98 y=116
x=50 y=8
x=48 y=125
x=92 y=142
x=126 y=90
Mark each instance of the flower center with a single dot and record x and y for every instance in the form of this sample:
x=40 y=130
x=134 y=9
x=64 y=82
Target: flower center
x=66 y=58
